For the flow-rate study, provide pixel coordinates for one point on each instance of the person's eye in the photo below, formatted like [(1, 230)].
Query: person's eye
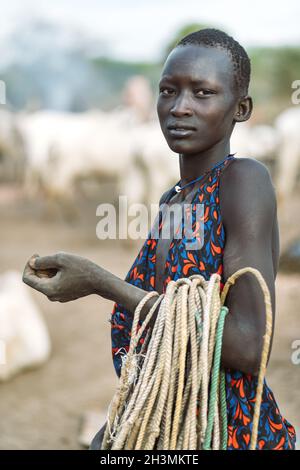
[(204, 92), (166, 91)]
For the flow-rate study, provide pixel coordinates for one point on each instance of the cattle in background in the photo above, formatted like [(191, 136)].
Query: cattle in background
[(12, 156), (24, 338)]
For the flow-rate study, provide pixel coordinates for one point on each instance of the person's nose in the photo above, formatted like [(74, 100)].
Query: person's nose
[(182, 106)]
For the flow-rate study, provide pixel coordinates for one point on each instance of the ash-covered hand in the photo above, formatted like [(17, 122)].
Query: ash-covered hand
[(62, 277)]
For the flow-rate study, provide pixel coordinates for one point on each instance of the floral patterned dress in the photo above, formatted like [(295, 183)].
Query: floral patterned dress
[(274, 431)]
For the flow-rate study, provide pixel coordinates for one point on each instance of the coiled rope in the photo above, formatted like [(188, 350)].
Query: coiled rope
[(172, 395)]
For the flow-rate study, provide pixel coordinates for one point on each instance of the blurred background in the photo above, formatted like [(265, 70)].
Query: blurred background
[(78, 127)]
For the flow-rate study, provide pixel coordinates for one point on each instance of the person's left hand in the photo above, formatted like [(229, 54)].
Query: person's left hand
[(61, 277)]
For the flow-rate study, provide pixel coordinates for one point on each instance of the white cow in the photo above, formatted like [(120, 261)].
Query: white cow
[(40, 130), (259, 141), (64, 146), (24, 339), (12, 158)]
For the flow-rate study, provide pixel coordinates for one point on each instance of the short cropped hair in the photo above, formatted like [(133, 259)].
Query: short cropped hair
[(211, 37)]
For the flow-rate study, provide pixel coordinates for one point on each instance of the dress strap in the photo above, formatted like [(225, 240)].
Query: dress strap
[(169, 194)]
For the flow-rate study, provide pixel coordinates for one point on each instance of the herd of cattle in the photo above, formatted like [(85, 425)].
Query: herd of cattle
[(51, 151)]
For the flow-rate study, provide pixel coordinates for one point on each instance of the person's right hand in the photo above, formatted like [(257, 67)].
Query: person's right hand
[(61, 277)]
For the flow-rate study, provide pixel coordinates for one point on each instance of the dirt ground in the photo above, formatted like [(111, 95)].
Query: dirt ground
[(42, 408)]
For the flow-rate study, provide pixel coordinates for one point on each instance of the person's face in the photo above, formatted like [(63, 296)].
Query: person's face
[(197, 90)]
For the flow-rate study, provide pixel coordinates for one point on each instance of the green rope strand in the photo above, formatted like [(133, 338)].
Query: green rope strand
[(215, 380), (223, 404)]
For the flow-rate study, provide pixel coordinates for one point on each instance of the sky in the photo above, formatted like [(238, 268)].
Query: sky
[(138, 30)]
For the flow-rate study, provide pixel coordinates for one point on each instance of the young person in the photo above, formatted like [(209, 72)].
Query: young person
[(203, 93)]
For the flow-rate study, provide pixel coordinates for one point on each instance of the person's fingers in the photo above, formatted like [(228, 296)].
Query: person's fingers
[(44, 262), (28, 269), (42, 283), (32, 258), (37, 283), (50, 272)]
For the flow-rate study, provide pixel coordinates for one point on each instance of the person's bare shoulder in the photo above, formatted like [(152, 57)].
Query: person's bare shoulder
[(247, 194), (248, 210)]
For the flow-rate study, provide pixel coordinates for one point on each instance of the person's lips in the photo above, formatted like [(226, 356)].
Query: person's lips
[(180, 130)]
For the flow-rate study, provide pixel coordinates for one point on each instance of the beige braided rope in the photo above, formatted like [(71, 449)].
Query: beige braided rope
[(181, 311), (119, 398), (193, 373), (164, 366), (166, 428), (132, 411), (162, 387)]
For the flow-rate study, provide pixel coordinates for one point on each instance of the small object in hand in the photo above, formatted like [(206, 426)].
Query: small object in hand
[(50, 272)]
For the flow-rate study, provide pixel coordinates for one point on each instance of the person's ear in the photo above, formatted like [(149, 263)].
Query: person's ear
[(244, 109)]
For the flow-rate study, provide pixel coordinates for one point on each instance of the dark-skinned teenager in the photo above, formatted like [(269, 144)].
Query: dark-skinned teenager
[(203, 94)]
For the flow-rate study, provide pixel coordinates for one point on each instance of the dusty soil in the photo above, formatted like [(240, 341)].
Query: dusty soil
[(42, 408)]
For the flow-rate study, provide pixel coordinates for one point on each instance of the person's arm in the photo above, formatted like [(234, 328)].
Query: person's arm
[(63, 277), (248, 209)]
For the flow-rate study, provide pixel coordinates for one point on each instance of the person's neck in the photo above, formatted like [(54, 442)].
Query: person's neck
[(193, 166)]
